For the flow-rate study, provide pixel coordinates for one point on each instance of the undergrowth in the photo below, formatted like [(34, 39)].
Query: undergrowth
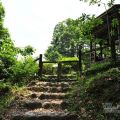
[(90, 94), (8, 96)]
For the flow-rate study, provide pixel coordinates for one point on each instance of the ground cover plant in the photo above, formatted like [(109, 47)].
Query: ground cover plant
[(91, 93)]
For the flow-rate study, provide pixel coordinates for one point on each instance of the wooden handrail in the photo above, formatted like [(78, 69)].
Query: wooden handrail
[(60, 61), (59, 65)]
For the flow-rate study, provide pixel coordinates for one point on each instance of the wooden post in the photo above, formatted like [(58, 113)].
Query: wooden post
[(101, 50), (118, 30), (80, 59), (95, 52), (113, 51), (40, 66), (119, 36), (59, 70), (91, 51)]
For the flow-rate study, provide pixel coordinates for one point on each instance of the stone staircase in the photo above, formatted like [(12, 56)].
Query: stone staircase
[(45, 101)]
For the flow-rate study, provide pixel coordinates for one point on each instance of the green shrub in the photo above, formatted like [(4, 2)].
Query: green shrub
[(66, 69), (5, 102), (48, 68), (4, 88), (3, 71), (68, 59), (69, 67), (100, 67), (23, 70)]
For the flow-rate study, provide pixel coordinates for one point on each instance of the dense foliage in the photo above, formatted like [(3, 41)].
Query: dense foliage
[(90, 94), (68, 35), (11, 66), (99, 84), (7, 48), (17, 66), (23, 70)]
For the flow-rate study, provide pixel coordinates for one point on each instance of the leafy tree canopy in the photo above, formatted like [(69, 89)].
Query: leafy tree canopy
[(99, 2), (26, 51), (69, 34), (7, 49)]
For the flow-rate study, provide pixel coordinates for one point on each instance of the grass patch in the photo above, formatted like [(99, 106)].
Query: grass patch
[(101, 67), (5, 101), (9, 96)]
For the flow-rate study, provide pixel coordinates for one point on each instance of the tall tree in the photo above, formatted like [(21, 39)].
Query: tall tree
[(69, 34), (63, 43)]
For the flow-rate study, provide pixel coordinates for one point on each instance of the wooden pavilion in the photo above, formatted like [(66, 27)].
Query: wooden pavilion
[(110, 36)]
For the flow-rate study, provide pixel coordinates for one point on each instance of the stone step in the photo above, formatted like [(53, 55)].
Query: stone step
[(32, 83), (31, 104), (50, 83), (46, 95), (48, 89), (43, 101), (54, 84), (54, 104), (43, 114), (52, 78), (52, 96), (47, 104)]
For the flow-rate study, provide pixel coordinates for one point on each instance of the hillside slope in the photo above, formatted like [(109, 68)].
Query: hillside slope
[(97, 97)]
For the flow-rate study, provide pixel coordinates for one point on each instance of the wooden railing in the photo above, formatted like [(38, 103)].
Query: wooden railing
[(81, 57), (59, 65)]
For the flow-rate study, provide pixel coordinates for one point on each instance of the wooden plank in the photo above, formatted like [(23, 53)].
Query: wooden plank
[(95, 52), (80, 60), (91, 51), (113, 50), (59, 71), (60, 61), (40, 66), (50, 62)]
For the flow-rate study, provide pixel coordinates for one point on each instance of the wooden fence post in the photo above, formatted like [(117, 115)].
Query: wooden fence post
[(40, 66), (80, 59), (101, 50), (59, 70), (94, 52), (113, 50), (91, 52)]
